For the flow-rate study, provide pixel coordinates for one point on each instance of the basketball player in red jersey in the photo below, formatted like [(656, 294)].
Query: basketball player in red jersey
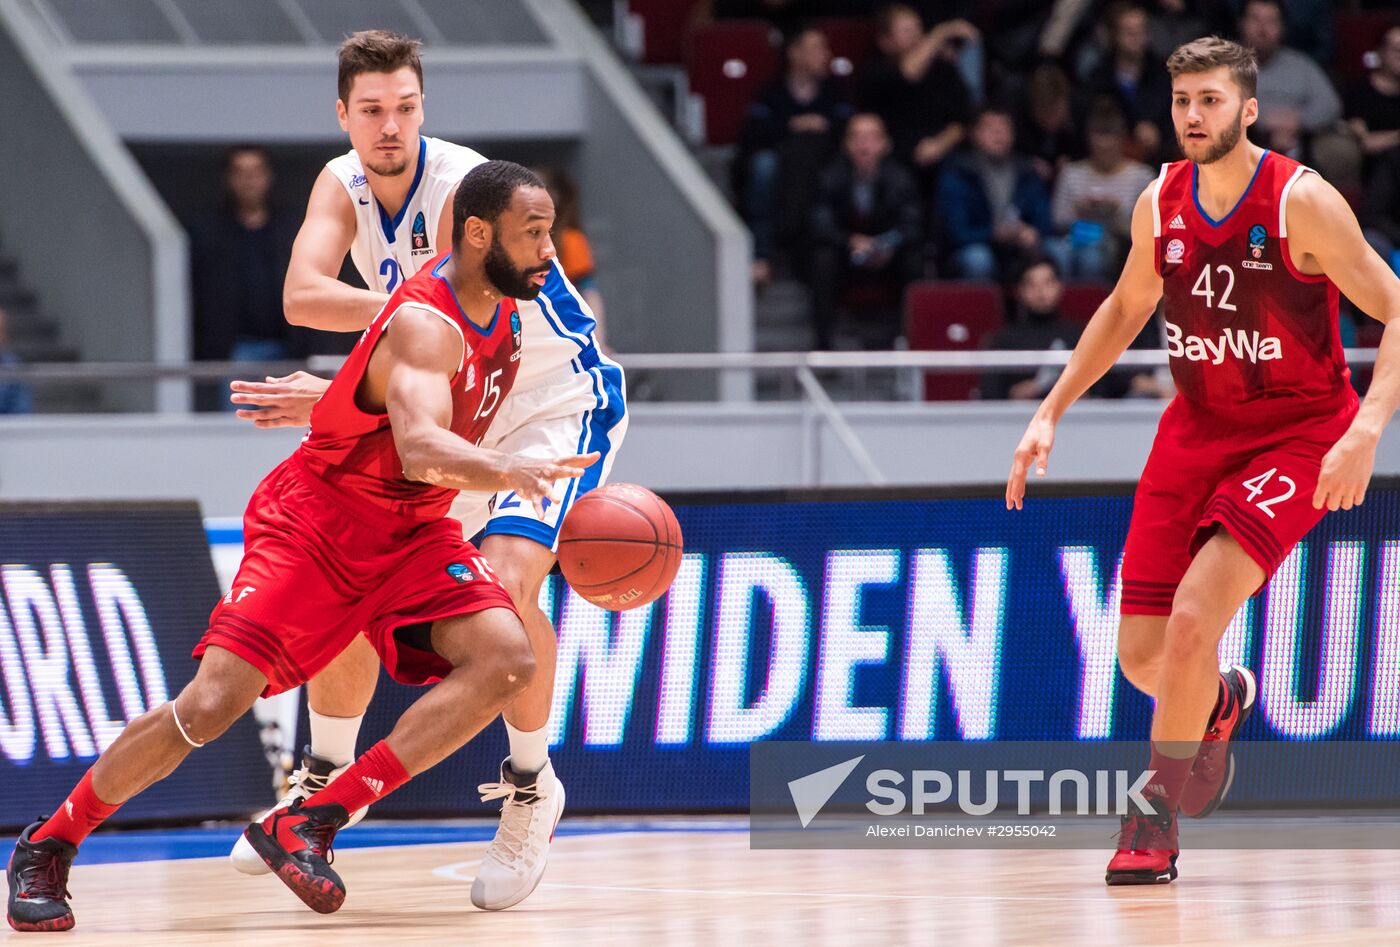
[(1248, 249), (350, 533)]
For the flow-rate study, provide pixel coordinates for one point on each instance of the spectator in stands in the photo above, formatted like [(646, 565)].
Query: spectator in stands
[(1093, 200), (15, 396), (1036, 326), (575, 252), (1136, 79), (1175, 22), (1298, 108), (916, 88), (1373, 106), (1381, 211), (1047, 133), (992, 205), (866, 234), (238, 259), (1311, 25), (789, 134)]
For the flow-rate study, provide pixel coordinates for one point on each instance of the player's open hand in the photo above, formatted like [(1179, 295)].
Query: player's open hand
[(1034, 449), (280, 402), (534, 479), (1346, 470)]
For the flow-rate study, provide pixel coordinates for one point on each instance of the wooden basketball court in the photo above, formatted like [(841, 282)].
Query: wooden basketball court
[(697, 882)]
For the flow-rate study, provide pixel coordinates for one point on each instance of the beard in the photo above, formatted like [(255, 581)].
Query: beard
[(508, 279), (1226, 144), (387, 169)]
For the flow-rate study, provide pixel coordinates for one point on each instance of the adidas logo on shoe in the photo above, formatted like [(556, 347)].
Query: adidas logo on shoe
[(376, 784), (1177, 223)]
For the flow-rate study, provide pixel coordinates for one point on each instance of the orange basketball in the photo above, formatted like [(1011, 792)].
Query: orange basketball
[(620, 546)]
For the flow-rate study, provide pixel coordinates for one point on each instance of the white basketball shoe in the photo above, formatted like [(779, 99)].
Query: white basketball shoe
[(316, 773), (514, 863)]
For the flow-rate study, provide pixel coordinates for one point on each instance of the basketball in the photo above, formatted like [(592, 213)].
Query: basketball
[(620, 546)]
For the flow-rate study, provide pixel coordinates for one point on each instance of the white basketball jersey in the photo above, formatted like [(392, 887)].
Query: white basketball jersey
[(388, 250), (557, 346)]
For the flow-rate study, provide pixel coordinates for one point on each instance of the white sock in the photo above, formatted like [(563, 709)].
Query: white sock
[(333, 738), (529, 749)]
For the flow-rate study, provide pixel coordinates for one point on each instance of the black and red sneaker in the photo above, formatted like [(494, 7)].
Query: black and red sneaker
[(38, 875), (1214, 769), (296, 844), (1146, 851)]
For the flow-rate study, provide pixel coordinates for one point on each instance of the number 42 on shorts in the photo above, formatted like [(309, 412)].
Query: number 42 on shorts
[(1257, 485)]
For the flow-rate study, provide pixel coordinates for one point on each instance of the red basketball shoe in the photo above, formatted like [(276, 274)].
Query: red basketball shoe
[(296, 844), (1146, 851), (1214, 769)]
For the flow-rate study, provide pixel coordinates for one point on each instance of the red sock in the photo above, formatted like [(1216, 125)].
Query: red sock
[(1170, 779), (77, 817), (370, 778)]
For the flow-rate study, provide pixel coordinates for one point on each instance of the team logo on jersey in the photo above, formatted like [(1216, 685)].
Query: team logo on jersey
[(1175, 251), (359, 180), (515, 329), (420, 235), (461, 573), (1256, 240), (471, 377)]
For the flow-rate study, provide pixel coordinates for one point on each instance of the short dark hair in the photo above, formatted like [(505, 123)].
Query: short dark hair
[(1028, 263), (1276, 4), (1212, 52), (1106, 119), (884, 18), (246, 149), (486, 192), (375, 51), (1003, 109)]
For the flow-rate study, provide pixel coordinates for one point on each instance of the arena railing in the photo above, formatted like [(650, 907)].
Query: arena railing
[(807, 369)]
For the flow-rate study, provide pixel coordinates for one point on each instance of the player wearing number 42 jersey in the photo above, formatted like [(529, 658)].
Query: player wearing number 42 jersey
[(1247, 250), (387, 201)]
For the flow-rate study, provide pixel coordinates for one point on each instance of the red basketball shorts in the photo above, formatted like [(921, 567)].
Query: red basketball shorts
[(320, 566), (1256, 483)]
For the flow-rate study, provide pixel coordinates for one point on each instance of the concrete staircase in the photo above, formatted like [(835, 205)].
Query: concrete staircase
[(37, 338)]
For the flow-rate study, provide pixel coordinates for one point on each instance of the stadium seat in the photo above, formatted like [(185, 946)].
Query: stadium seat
[(951, 316), (1081, 299), (852, 41), (1358, 33), (663, 28), (728, 63)]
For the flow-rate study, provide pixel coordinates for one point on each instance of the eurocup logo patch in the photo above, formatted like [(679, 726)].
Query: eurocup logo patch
[(420, 234), (1257, 234), (1175, 251), (515, 329), (461, 573)]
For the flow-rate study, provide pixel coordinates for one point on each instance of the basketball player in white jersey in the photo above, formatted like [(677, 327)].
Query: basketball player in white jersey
[(388, 203)]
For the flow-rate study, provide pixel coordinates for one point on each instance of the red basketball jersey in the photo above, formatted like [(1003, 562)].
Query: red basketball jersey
[(1249, 337), (354, 450)]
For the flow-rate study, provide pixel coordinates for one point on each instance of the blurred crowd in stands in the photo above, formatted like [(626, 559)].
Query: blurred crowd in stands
[(1007, 141)]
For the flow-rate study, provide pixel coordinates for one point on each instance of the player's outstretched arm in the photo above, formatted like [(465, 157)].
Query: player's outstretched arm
[(411, 374), (313, 294), (1117, 322), (1322, 226)]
